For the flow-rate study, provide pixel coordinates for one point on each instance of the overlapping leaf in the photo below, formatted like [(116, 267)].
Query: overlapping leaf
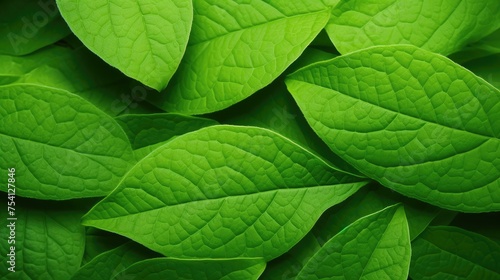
[(144, 39), (441, 26), (460, 254), (374, 247), (413, 120), (237, 48), (223, 192), (61, 146)]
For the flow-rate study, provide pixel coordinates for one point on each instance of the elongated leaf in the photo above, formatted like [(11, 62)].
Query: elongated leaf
[(442, 26), (112, 262), (171, 268), (374, 247), (236, 49), (61, 146), (150, 129), (368, 200), (460, 254), (223, 192), (144, 39), (412, 120), (29, 25), (78, 71), (49, 240)]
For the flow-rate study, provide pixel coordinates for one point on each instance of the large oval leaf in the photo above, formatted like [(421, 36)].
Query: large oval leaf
[(144, 39), (223, 192), (411, 119), (461, 254), (442, 26), (61, 145), (374, 247), (236, 49)]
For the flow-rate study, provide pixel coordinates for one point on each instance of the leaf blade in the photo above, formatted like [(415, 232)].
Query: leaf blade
[(409, 112)]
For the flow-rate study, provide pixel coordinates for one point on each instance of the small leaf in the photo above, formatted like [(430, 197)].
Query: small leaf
[(49, 240), (236, 49), (61, 146), (223, 192), (27, 26), (460, 254), (144, 39), (171, 268), (374, 247), (444, 26), (412, 120)]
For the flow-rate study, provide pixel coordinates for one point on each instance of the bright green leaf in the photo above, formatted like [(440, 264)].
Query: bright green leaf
[(61, 146), (223, 192), (49, 240), (236, 49), (78, 71), (181, 269), (109, 264), (144, 39), (29, 25), (454, 253), (412, 120), (442, 26), (367, 200), (374, 247)]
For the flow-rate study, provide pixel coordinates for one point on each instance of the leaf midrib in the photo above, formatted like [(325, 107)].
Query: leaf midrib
[(257, 25), (396, 112)]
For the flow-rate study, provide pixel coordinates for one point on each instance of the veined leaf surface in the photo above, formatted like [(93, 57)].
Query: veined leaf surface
[(144, 39), (441, 26), (238, 47), (374, 247), (61, 145), (223, 192), (461, 254), (412, 120)]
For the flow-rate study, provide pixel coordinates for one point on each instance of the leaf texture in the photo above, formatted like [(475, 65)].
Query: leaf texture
[(441, 26), (455, 254), (238, 47), (61, 146), (223, 192), (144, 39), (412, 120), (374, 247)]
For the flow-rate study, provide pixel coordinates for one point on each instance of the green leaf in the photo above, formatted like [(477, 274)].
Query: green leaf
[(374, 247), (489, 45), (236, 49), (49, 240), (78, 71), (367, 200), (181, 269), (460, 254), (112, 262), (223, 192), (272, 107), (412, 120), (61, 146), (144, 39), (28, 25), (151, 129), (443, 26)]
